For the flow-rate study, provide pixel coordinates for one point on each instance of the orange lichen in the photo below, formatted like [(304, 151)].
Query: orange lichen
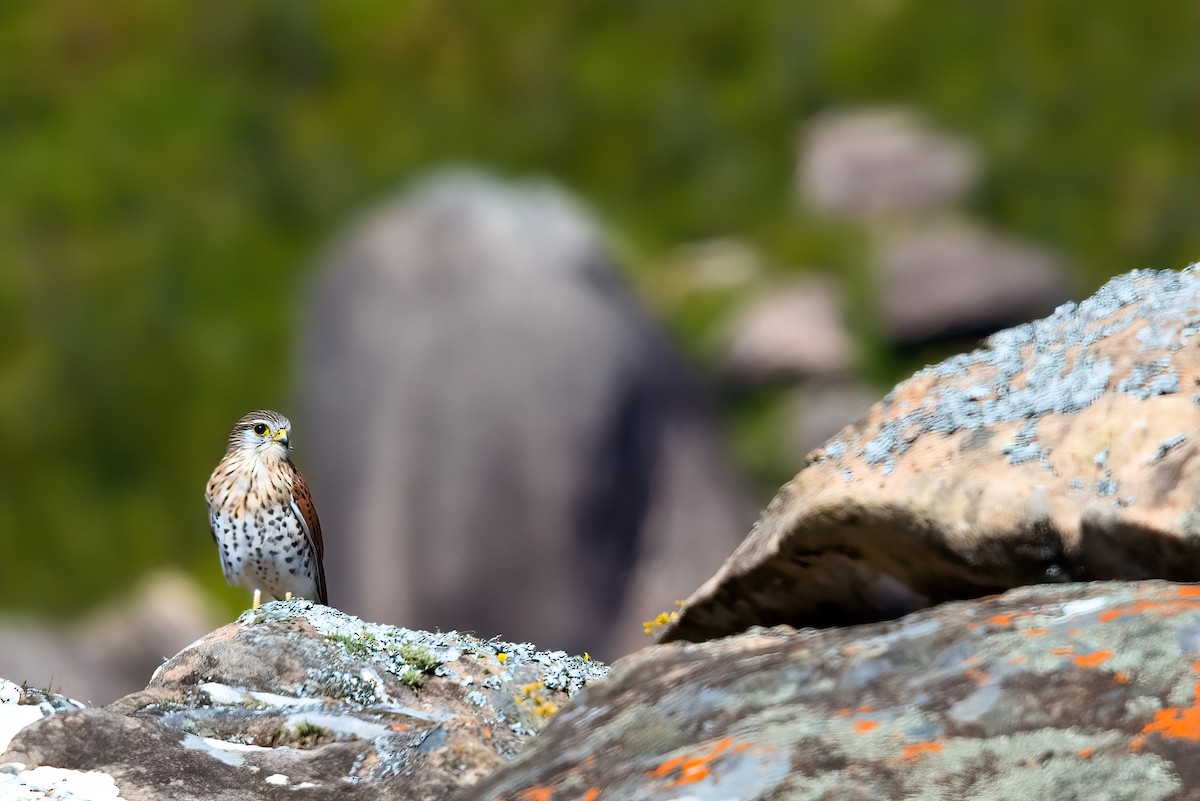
[(916, 750), (1000, 620), (1093, 659), (864, 726), (866, 708), (1159, 608), (1066, 650), (536, 794), (1190, 591), (1196, 666), (398, 727), (1085, 753), (844, 712), (976, 675), (1040, 631), (1173, 723), (592, 794), (691, 769), (1121, 677), (668, 765)]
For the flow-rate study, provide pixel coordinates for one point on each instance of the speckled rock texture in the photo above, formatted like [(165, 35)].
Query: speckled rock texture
[(303, 702), (1074, 692), (1064, 449)]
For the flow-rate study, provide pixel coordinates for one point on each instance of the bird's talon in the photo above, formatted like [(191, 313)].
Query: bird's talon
[(287, 596), (257, 599)]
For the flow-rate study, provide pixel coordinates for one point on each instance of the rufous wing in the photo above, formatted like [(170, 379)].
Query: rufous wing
[(308, 511)]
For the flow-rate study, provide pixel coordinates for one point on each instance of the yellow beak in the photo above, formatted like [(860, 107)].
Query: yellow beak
[(281, 436)]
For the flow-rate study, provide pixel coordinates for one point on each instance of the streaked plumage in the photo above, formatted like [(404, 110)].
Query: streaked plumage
[(262, 515)]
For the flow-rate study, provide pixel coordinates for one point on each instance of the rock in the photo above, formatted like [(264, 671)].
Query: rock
[(110, 652), (943, 281), (1060, 693), (793, 332), (21, 705), (1064, 449), (301, 701), (866, 162), (498, 436)]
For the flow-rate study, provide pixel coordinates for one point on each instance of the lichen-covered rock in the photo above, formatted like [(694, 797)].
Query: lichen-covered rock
[(1058, 693), (1064, 449), (302, 702)]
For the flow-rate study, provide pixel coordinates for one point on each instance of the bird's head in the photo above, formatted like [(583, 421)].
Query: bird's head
[(261, 432)]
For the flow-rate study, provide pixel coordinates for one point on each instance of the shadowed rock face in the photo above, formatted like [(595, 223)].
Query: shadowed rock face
[(300, 701), (1052, 692), (1064, 449), (499, 438)]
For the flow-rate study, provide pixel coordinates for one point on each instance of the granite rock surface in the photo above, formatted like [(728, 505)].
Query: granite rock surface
[(1062, 450), (1072, 692), (303, 702)]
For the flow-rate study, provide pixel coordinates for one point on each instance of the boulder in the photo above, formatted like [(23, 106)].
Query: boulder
[(1064, 449), (953, 280), (499, 438), (303, 702), (1061, 693), (871, 161), (792, 332)]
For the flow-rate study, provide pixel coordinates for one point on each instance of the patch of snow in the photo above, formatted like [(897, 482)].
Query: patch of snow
[(13, 718), (221, 693), (277, 778), (1083, 606), (222, 750), (60, 784), (340, 724)]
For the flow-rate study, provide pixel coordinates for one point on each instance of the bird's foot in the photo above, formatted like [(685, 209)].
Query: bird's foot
[(257, 599), (287, 596)]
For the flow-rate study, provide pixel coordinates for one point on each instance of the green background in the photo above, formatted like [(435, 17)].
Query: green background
[(169, 173)]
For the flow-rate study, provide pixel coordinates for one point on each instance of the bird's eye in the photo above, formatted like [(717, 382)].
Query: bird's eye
[(260, 429)]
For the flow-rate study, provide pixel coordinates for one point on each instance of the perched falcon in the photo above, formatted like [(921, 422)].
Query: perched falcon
[(262, 515)]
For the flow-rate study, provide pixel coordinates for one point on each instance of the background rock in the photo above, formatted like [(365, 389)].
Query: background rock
[(942, 281), (499, 438), (796, 331), (1064, 449), (820, 409), (864, 162), (111, 651), (1068, 693), (301, 701)]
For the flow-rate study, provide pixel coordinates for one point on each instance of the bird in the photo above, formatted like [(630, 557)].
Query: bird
[(262, 515)]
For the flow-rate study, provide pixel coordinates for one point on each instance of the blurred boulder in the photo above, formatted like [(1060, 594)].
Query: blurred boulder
[(866, 162), (110, 652), (792, 332), (500, 439), (944, 281), (1065, 449), (820, 409)]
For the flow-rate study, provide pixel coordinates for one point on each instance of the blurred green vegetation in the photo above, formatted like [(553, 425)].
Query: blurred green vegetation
[(168, 173)]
